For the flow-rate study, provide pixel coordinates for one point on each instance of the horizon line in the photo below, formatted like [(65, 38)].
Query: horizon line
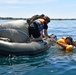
[(27, 18)]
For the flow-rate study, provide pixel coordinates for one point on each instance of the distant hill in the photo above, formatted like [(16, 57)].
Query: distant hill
[(11, 18)]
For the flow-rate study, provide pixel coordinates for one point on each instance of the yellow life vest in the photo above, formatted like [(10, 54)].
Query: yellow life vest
[(62, 40), (68, 47)]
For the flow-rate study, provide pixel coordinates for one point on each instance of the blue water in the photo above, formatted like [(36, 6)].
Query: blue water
[(50, 62)]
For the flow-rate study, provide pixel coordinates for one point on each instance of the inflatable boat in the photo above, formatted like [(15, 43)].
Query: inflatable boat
[(17, 31), (7, 48)]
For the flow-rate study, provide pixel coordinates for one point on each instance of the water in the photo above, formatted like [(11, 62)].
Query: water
[(50, 62)]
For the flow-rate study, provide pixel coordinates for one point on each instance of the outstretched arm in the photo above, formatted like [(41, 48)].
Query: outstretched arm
[(60, 44), (46, 33)]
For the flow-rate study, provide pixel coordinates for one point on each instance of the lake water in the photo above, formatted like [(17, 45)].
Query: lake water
[(50, 62)]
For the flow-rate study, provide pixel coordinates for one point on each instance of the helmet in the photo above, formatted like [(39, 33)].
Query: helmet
[(47, 19)]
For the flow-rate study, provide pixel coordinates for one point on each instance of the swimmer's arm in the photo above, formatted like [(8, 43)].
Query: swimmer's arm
[(60, 44)]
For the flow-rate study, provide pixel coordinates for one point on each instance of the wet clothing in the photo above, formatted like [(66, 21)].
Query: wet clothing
[(67, 48), (37, 26), (62, 40)]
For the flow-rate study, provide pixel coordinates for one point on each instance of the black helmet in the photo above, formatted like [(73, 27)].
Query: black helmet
[(46, 18)]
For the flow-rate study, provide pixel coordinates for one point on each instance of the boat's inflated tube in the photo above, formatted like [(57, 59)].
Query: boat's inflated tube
[(7, 48), (17, 30)]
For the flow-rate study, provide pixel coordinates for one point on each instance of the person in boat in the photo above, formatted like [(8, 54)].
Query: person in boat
[(38, 27), (35, 17), (66, 43)]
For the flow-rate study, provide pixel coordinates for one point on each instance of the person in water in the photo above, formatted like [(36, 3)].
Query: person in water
[(66, 43), (38, 26)]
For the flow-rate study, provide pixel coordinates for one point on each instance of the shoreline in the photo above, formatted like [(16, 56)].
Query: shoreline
[(11, 18)]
